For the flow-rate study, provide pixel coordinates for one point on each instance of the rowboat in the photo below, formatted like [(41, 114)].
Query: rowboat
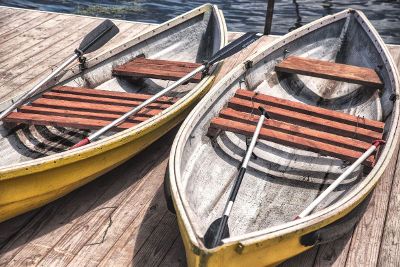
[(330, 90), (37, 166)]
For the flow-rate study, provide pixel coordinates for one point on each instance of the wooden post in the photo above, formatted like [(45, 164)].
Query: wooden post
[(268, 17)]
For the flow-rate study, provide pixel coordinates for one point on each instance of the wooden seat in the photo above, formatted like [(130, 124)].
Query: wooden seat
[(141, 67), (330, 70), (299, 125), (85, 108)]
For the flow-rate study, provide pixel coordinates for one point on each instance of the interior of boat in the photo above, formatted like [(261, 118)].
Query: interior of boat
[(335, 66), (110, 85)]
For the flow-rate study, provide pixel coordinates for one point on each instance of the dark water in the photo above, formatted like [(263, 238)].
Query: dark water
[(241, 15)]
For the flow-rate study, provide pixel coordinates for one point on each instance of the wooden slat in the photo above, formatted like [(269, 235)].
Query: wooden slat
[(62, 121), (111, 94), (143, 60), (158, 69), (95, 99), (330, 70), (85, 114), (297, 130), (307, 120), (290, 140), (311, 110), (75, 105)]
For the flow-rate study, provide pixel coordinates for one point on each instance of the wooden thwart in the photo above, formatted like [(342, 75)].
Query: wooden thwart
[(330, 70), (159, 69), (85, 108), (299, 125)]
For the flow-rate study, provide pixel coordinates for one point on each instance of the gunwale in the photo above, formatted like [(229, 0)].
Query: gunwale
[(320, 218), (128, 135)]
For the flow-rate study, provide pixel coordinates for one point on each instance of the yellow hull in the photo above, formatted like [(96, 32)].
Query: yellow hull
[(266, 252), (27, 188), (275, 244)]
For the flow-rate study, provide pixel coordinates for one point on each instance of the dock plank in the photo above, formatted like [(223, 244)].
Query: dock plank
[(26, 27), (19, 56), (389, 251), (135, 211)]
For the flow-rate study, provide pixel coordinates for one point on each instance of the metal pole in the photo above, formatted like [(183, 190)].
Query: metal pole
[(268, 17)]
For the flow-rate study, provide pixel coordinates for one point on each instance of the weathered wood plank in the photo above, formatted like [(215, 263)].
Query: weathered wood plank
[(85, 114), (103, 100), (19, 21), (305, 259), (111, 94), (367, 236), (330, 70), (137, 217), (14, 32), (160, 69), (62, 121), (79, 105), (175, 257), (158, 243), (389, 251), (334, 253)]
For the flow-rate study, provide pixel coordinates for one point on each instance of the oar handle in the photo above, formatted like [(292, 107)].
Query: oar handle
[(83, 142), (343, 176)]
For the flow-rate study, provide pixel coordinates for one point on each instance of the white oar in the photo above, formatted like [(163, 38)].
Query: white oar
[(343, 176), (225, 52), (221, 222), (92, 41)]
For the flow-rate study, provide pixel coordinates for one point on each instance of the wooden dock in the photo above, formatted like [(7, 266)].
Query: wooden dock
[(121, 218)]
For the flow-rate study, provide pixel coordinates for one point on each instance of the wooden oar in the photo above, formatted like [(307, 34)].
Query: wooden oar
[(225, 52), (92, 41), (343, 176), (222, 222)]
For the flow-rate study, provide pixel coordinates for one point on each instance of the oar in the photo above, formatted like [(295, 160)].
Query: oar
[(211, 240), (92, 41), (343, 176), (225, 52)]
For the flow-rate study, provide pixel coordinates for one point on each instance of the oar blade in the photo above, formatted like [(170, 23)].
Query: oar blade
[(233, 47), (99, 36), (212, 231)]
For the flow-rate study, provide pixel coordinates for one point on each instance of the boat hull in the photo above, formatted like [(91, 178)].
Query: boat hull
[(273, 245), (32, 184)]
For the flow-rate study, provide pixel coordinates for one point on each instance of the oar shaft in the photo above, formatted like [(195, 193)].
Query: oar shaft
[(135, 110), (37, 87), (336, 183), (238, 182)]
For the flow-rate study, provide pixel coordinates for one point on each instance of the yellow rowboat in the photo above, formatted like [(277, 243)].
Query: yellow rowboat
[(36, 166), (330, 89)]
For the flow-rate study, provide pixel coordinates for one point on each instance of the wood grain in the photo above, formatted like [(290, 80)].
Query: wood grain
[(330, 70), (311, 110), (290, 140), (309, 121), (305, 132), (158, 69)]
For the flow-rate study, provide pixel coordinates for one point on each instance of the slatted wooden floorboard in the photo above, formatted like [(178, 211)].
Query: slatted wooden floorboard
[(299, 125), (71, 229), (85, 108)]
